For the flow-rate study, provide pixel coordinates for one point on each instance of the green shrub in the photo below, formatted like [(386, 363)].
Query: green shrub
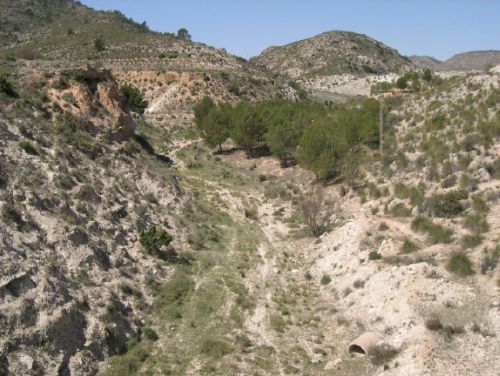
[(464, 161), (402, 82), (447, 204), (434, 105), (433, 323), (251, 213), (479, 205), (69, 97), (10, 214), (216, 348), (383, 227), (73, 132), (490, 259), (149, 334), (173, 295), (374, 191), (129, 363), (460, 264), (415, 194), (471, 240), (28, 147), (326, 279), (437, 122), (78, 75), (439, 234), (155, 241), (449, 181), (494, 169), (467, 182), (409, 246), (277, 323), (477, 223), (233, 89), (400, 210), (374, 255), (381, 87), (6, 86), (435, 232), (99, 44), (134, 98)]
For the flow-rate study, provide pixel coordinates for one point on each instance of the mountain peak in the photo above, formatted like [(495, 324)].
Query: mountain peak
[(333, 52)]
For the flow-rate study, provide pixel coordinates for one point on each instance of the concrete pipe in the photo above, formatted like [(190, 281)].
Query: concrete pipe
[(365, 343)]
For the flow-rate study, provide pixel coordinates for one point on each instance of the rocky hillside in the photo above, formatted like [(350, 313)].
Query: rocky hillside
[(473, 60), (409, 251), (24, 19), (129, 247), (209, 265), (79, 183), (425, 62), (65, 34), (333, 53), (467, 61)]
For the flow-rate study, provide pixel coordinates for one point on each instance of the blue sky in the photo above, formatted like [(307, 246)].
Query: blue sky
[(439, 28)]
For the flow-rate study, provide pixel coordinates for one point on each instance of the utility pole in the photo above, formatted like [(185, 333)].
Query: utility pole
[(381, 126)]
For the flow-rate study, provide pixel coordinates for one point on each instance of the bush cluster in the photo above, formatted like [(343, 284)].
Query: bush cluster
[(99, 44), (74, 131), (134, 98), (318, 136), (6, 86), (173, 295), (436, 233), (446, 205), (460, 264), (28, 147), (409, 246), (410, 81), (155, 241)]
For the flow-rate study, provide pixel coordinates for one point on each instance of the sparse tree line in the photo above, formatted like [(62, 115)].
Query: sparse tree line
[(411, 81), (321, 137), (100, 43)]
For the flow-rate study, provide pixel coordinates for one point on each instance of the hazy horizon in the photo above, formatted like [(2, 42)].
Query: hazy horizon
[(438, 29)]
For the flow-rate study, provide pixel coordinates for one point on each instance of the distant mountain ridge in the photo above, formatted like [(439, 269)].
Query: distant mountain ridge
[(425, 62), (466, 61), (473, 60), (333, 53)]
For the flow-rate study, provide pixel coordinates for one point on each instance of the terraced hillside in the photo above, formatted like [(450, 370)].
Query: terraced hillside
[(24, 19), (65, 34)]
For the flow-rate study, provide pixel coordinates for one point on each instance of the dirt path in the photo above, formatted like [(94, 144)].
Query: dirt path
[(291, 323)]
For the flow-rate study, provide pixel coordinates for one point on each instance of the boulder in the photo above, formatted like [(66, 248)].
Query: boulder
[(483, 175), (123, 125), (395, 203)]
